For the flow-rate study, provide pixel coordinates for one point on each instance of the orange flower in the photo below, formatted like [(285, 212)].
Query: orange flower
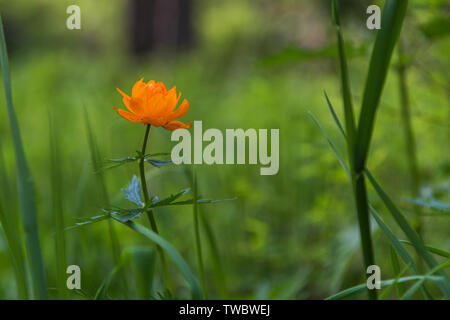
[(151, 103)]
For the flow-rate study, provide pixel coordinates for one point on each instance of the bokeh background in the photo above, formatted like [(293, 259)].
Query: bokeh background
[(240, 64)]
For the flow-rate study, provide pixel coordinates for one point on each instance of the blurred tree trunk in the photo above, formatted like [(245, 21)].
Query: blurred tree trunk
[(160, 24)]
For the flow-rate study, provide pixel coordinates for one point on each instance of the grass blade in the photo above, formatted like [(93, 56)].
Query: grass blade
[(14, 245), (395, 242), (391, 23), (398, 275), (24, 181), (408, 294), (332, 145), (345, 82), (173, 254), (410, 233), (357, 179), (434, 250), (363, 287)]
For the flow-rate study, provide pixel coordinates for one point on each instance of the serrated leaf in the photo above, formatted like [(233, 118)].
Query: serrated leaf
[(200, 201), (158, 163), (158, 203), (125, 217), (133, 192)]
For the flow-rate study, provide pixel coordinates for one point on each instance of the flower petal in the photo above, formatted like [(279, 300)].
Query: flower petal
[(131, 104), (129, 116), (173, 125), (138, 90), (180, 111)]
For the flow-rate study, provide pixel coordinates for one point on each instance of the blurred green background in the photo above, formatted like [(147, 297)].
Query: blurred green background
[(240, 64)]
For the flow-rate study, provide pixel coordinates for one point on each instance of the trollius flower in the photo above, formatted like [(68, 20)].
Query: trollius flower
[(151, 103)]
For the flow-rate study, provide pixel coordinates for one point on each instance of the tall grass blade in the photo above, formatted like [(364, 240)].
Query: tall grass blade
[(14, 245), (24, 181), (345, 81), (173, 254), (143, 262), (411, 234), (391, 23), (395, 242), (396, 268)]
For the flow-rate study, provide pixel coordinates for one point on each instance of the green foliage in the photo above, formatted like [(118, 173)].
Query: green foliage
[(296, 226), (25, 187)]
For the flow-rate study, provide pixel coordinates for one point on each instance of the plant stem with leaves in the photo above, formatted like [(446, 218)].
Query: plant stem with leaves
[(150, 216), (357, 177)]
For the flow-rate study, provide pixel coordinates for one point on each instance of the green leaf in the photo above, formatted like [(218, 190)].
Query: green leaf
[(386, 230), (398, 275), (133, 192), (363, 287), (200, 201), (345, 82), (26, 192), (126, 217), (88, 221), (391, 24), (410, 233), (332, 145), (173, 254), (166, 201), (14, 245), (158, 163), (437, 251), (408, 294), (114, 163)]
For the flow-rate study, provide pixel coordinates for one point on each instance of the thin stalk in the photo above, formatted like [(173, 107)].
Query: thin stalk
[(358, 181), (362, 208), (410, 143), (198, 243), (150, 216)]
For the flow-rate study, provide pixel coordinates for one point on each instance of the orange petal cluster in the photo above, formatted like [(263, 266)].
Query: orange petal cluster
[(151, 103)]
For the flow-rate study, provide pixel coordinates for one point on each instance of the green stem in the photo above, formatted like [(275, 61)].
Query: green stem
[(197, 235), (150, 216), (358, 181), (362, 208)]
